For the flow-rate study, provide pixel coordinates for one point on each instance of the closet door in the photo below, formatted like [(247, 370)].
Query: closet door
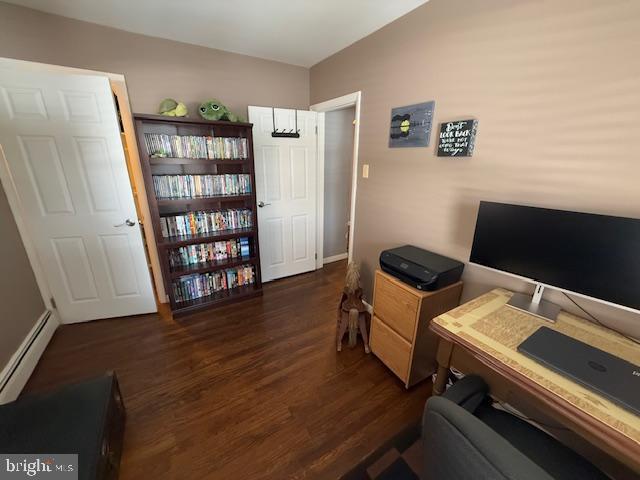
[(62, 145), (286, 179)]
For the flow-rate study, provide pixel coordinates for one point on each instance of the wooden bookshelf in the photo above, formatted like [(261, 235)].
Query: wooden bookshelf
[(164, 207)]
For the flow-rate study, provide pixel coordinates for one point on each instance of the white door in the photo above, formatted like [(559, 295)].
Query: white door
[(286, 187), (65, 158)]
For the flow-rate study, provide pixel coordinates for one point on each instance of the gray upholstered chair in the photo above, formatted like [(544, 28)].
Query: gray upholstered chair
[(466, 438)]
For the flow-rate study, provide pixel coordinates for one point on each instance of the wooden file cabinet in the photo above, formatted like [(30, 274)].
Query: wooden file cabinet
[(400, 334)]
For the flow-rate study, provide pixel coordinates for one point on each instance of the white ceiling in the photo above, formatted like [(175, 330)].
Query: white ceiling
[(300, 32)]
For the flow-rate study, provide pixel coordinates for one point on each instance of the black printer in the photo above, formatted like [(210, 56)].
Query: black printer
[(420, 268)]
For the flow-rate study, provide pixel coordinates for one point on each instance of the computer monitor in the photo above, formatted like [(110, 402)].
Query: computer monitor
[(593, 256)]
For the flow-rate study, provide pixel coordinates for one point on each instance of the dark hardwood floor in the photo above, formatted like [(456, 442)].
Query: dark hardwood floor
[(255, 390)]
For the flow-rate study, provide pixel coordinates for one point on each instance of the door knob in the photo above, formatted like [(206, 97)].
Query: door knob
[(262, 204), (127, 222)]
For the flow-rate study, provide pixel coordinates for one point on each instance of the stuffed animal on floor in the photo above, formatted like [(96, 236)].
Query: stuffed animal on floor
[(171, 108), (214, 110)]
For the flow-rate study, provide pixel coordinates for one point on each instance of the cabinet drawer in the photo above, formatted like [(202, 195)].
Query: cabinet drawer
[(391, 348), (397, 307)]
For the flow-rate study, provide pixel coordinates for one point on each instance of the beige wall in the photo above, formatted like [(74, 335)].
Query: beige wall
[(555, 86), (338, 159), (154, 68), (20, 300)]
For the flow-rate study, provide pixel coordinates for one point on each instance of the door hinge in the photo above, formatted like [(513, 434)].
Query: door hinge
[(316, 256), (316, 129), (53, 303)]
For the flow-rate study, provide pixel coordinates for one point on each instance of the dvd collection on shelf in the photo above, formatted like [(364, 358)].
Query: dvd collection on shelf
[(194, 186), (209, 252), (191, 287), (193, 146), (194, 223), (199, 176)]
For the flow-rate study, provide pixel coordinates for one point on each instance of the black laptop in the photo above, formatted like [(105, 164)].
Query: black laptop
[(610, 376)]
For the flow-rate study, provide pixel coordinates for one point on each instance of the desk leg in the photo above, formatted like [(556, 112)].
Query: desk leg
[(443, 357)]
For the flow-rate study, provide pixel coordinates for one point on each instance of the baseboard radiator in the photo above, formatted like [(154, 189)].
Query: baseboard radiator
[(18, 359)]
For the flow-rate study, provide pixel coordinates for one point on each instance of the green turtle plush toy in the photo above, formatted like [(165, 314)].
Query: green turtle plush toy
[(171, 108), (214, 110)]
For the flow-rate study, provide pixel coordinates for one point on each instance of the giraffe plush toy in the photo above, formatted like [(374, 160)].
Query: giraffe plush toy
[(352, 313)]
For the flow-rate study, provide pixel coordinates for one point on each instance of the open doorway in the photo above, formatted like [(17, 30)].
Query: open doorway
[(338, 139), (338, 156)]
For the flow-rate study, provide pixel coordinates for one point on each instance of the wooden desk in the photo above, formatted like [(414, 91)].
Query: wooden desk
[(481, 337)]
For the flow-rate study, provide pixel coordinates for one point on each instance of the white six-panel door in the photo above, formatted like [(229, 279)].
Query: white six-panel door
[(61, 141), (286, 186)]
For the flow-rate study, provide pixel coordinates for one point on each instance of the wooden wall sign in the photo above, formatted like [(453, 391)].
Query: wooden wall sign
[(457, 139), (411, 125)]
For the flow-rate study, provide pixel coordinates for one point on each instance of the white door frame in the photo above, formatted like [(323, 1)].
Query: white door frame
[(345, 101), (119, 87)]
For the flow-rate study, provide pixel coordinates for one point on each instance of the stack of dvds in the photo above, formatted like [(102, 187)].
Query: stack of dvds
[(194, 223), (192, 146), (193, 186), (195, 286), (208, 252)]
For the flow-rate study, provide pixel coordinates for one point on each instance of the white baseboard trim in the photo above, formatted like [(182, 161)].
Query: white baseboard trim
[(369, 307), (16, 373), (335, 258)]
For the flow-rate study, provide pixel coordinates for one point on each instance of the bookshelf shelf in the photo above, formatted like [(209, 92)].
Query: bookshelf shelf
[(154, 128), (150, 118), (197, 161), (211, 266), (184, 240), (217, 299), (202, 202)]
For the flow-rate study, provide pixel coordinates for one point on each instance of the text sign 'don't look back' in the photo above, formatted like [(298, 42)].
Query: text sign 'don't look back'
[(457, 139)]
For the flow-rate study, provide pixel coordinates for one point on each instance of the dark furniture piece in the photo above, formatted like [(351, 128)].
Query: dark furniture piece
[(466, 438), (160, 124), (86, 419)]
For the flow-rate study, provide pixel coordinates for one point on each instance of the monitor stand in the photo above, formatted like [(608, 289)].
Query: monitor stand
[(535, 305)]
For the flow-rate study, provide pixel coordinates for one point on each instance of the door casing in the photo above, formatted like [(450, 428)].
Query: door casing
[(350, 100)]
